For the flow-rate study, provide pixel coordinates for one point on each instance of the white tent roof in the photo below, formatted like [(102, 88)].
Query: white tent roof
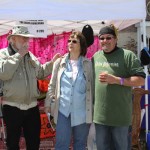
[(66, 15), (72, 9), (59, 26)]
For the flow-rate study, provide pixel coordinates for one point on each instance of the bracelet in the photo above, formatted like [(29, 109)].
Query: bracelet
[(121, 81)]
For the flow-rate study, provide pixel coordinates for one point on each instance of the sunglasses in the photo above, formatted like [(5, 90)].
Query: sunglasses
[(107, 38), (73, 41)]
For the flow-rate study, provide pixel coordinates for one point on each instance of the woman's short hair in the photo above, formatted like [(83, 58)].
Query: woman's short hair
[(83, 44)]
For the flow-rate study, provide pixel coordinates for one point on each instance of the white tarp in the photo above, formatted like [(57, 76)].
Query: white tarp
[(67, 15), (72, 9), (59, 26)]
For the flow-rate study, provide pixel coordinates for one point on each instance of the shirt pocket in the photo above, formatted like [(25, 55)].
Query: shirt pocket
[(81, 84)]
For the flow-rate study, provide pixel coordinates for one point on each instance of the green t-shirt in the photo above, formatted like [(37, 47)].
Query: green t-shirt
[(113, 102)]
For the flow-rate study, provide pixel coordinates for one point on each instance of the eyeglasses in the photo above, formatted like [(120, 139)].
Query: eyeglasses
[(73, 41), (107, 38)]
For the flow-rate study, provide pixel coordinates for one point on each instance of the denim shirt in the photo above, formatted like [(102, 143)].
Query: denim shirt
[(73, 94)]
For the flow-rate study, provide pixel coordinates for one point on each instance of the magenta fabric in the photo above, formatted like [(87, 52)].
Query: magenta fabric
[(45, 48), (3, 41), (93, 48)]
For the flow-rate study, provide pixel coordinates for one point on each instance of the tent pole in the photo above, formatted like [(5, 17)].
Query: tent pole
[(146, 79)]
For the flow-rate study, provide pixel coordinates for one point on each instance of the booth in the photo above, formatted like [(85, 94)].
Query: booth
[(65, 16)]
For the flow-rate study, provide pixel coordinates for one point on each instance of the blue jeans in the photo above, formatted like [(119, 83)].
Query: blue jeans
[(110, 136), (65, 133), (130, 138)]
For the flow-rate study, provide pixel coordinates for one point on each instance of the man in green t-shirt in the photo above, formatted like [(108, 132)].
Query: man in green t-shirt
[(116, 71)]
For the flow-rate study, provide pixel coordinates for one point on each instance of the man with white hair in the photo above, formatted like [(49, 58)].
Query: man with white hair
[(19, 71)]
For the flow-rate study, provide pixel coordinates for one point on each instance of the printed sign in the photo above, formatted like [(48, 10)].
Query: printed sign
[(36, 27)]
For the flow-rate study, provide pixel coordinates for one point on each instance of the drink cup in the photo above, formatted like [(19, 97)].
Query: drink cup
[(103, 75)]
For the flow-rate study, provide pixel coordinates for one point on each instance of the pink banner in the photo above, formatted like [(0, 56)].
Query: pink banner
[(46, 48)]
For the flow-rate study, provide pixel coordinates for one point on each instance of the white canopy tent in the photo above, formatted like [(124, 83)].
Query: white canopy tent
[(65, 15), (72, 10), (59, 26)]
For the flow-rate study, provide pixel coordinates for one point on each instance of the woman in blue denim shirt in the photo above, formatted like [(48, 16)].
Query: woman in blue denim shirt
[(71, 88)]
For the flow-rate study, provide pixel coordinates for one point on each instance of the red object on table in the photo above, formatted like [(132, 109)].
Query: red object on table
[(46, 130), (43, 85)]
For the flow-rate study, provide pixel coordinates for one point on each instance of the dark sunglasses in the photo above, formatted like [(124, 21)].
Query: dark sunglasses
[(73, 41), (107, 38)]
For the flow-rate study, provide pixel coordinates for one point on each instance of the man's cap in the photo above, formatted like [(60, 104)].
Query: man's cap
[(19, 30), (109, 30)]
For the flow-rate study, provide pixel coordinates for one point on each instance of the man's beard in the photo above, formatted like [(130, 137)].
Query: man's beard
[(105, 48), (19, 46)]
